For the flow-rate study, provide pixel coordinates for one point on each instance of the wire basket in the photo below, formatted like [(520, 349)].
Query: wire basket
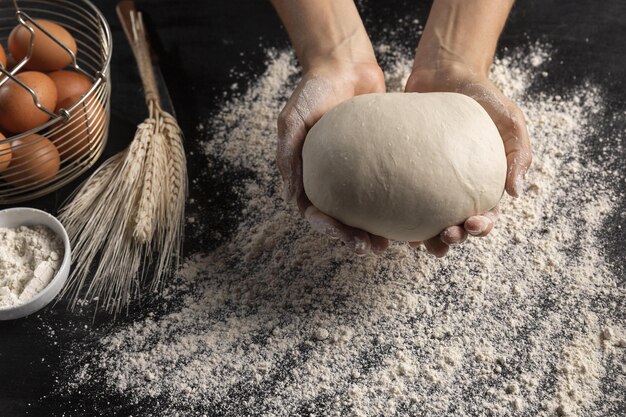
[(78, 133)]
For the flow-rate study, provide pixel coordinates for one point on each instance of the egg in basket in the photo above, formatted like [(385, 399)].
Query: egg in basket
[(54, 94)]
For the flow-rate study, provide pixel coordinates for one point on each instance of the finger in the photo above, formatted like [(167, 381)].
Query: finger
[(511, 124), (356, 239), (453, 235), (436, 247), (493, 213), (478, 226), (303, 203), (291, 135), (379, 244), (305, 107), (518, 153), (481, 225), (415, 244)]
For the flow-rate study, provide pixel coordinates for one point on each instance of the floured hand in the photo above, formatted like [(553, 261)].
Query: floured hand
[(323, 87)]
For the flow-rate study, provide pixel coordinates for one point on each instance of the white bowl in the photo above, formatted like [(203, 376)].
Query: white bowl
[(24, 216)]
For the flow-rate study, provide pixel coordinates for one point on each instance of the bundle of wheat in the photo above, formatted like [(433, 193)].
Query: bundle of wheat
[(132, 208)]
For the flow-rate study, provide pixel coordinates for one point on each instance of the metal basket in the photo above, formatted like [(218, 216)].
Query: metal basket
[(81, 129)]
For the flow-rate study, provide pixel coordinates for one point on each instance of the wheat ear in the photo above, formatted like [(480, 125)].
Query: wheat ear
[(132, 207), (152, 207), (170, 237)]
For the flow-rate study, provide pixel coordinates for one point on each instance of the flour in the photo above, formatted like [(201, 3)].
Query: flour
[(29, 259), (282, 321)]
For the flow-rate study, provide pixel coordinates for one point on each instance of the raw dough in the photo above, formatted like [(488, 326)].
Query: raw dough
[(404, 165)]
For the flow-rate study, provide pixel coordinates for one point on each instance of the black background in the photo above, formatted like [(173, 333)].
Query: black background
[(201, 42)]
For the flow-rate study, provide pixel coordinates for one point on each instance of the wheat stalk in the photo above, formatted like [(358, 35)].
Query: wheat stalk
[(151, 210), (172, 235), (132, 208)]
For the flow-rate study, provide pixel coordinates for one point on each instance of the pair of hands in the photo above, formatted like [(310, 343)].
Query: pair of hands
[(349, 68), (325, 86)]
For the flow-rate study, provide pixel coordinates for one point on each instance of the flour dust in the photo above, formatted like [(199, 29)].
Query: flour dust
[(281, 321)]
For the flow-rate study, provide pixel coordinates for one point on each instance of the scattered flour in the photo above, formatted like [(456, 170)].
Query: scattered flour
[(29, 258), (281, 321)]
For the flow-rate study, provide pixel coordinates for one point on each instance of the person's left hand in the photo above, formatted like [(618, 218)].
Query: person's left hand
[(509, 119)]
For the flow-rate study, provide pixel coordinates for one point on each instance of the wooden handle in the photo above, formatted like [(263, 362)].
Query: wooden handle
[(124, 9), (132, 23)]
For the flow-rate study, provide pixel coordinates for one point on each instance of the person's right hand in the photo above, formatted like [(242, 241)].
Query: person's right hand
[(323, 86)]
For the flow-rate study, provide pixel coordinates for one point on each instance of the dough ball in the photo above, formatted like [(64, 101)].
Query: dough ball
[(404, 165)]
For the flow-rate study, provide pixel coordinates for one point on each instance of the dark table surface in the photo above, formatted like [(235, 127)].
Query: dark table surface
[(200, 42)]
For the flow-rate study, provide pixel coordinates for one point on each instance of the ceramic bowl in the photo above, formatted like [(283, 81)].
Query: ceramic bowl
[(23, 216)]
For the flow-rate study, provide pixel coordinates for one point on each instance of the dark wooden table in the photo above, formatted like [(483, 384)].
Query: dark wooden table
[(200, 42)]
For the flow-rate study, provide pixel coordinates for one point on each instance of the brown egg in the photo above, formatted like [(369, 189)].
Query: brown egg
[(35, 161), (70, 83), (5, 153), (18, 112), (3, 56), (11, 63), (5, 61), (47, 54), (78, 136)]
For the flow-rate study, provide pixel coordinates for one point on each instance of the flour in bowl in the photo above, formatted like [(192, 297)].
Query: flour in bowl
[(30, 256)]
